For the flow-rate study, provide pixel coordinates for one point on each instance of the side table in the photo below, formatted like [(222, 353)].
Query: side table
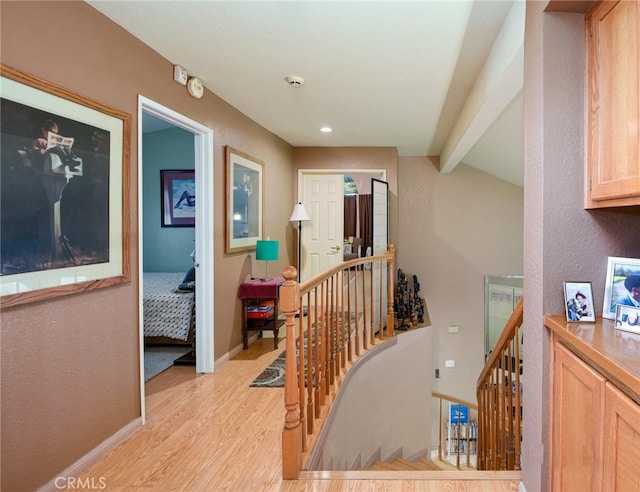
[(254, 292)]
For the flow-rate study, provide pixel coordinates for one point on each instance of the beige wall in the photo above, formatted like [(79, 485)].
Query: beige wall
[(70, 376), (562, 240), (455, 229), (340, 158)]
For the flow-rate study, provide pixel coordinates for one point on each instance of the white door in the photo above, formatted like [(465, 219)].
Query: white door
[(322, 236)]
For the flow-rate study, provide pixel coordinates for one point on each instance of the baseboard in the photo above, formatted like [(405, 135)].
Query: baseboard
[(92, 457), (233, 352)]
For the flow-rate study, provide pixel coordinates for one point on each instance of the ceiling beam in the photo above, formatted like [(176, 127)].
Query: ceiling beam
[(500, 80)]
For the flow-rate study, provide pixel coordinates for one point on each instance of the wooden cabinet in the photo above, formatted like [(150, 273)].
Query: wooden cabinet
[(577, 423), (621, 441), (612, 178), (595, 436)]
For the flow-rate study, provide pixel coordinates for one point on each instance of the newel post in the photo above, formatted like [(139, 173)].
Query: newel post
[(390, 290), (292, 433)]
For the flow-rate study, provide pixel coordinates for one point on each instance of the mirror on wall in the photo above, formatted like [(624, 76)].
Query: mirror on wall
[(501, 294)]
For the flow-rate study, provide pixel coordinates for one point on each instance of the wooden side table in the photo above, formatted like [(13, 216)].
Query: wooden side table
[(256, 291)]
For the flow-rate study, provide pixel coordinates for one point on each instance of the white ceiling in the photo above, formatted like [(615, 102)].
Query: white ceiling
[(430, 77)]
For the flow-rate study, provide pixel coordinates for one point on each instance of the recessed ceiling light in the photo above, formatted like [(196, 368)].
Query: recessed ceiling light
[(326, 129)]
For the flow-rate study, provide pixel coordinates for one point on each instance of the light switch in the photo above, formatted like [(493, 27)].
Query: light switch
[(449, 363), (453, 329)]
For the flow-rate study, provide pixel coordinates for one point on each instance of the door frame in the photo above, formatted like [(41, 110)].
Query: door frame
[(204, 263), (303, 172)]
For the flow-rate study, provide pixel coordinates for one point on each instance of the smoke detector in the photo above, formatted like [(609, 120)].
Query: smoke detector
[(294, 80)]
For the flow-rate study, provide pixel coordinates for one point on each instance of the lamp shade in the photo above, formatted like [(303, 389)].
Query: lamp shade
[(299, 213), (266, 250)]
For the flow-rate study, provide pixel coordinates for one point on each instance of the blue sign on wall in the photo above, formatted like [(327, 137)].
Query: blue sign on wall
[(458, 412)]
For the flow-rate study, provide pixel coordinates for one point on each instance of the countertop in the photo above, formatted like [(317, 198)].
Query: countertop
[(614, 353)]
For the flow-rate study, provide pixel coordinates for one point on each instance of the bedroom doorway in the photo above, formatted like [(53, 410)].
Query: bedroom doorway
[(150, 111)]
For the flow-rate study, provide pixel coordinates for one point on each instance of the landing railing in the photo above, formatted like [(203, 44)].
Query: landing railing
[(331, 319), (457, 429), (500, 400)]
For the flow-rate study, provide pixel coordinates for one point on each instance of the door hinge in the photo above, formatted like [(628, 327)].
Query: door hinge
[(590, 185)]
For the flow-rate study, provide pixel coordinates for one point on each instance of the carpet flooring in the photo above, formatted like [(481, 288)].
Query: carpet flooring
[(158, 358)]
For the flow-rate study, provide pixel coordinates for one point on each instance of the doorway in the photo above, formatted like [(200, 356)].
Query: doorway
[(322, 191), (203, 256)]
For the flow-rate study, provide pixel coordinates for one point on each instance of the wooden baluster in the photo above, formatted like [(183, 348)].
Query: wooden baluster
[(307, 343), (440, 419), (292, 432), (300, 355), (325, 343), (518, 404), (372, 306), (317, 357), (354, 310), (365, 331), (358, 325), (390, 290)]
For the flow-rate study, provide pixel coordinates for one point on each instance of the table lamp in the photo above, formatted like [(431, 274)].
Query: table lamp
[(266, 250)]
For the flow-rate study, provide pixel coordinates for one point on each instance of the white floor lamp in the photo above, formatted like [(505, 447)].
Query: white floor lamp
[(299, 215)]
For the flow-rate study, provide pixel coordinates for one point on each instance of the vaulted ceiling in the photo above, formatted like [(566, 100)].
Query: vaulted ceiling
[(430, 77)]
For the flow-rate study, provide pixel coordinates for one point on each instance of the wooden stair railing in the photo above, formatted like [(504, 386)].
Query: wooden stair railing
[(459, 434), (500, 402), (330, 320)]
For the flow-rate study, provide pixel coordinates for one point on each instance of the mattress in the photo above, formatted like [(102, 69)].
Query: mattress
[(167, 313)]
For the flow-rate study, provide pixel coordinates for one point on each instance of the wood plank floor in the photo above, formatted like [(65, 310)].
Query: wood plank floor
[(212, 432)]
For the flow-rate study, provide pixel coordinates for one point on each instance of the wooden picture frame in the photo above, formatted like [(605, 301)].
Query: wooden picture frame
[(615, 291), (244, 201), (178, 197), (578, 302), (65, 219)]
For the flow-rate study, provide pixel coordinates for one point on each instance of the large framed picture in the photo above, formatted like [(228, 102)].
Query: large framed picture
[(244, 204), (178, 198), (578, 301), (622, 285), (64, 189)]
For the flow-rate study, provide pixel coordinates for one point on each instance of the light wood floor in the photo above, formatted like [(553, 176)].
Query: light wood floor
[(212, 432)]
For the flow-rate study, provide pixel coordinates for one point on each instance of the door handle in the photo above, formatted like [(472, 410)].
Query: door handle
[(335, 248)]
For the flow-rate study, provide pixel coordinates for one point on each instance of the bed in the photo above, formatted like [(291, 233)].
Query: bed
[(169, 313)]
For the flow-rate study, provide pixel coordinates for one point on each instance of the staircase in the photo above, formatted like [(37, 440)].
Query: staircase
[(402, 464)]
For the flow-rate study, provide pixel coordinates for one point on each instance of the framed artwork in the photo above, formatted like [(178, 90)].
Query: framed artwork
[(627, 318), (578, 301), (64, 219), (622, 285), (244, 203), (178, 198)]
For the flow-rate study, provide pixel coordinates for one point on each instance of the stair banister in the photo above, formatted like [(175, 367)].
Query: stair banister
[(330, 349)]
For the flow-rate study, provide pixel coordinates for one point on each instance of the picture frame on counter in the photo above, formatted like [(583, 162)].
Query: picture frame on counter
[(622, 285), (627, 318), (578, 302)]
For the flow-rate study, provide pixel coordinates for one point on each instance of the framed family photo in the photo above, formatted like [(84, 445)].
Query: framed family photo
[(178, 198), (622, 285), (627, 318), (64, 220), (578, 301), (244, 201)]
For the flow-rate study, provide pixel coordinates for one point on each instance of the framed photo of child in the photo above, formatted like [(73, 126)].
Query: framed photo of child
[(578, 301)]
